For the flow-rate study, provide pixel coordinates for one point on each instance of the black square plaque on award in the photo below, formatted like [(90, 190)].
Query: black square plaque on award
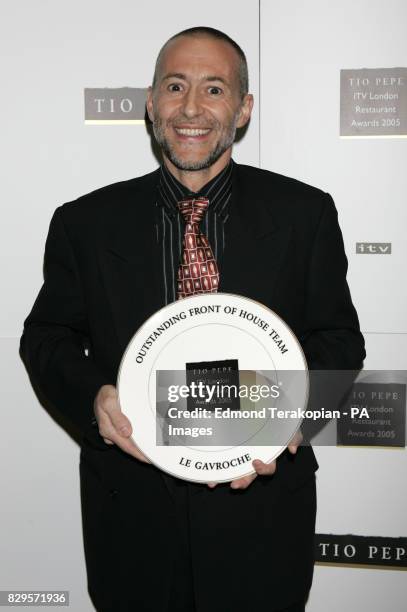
[(222, 376)]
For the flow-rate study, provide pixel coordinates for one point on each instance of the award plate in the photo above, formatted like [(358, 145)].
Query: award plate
[(203, 382)]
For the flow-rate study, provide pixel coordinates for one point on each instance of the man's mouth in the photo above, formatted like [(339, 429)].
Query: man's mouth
[(192, 132)]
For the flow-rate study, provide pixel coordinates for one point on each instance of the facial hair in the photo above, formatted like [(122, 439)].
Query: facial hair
[(220, 147)]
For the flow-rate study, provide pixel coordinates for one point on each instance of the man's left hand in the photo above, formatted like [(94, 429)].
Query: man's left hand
[(263, 469)]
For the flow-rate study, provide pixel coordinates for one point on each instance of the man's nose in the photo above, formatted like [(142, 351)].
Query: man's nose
[(192, 106)]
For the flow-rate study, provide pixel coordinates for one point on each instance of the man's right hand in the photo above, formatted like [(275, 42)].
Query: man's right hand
[(114, 426)]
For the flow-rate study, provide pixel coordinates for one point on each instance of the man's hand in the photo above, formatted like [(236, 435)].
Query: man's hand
[(264, 469), (114, 426)]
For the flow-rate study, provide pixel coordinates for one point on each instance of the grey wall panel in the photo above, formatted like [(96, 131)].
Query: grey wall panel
[(304, 45)]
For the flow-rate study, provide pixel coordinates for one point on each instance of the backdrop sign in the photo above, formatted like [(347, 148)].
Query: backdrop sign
[(373, 248), (374, 102), (122, 105), (385, 404), (359, 550)]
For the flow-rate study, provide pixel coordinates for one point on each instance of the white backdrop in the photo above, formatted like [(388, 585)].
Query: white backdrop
[(304, 45), (51, 52)]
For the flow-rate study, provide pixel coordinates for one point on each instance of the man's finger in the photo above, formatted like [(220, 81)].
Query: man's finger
[(127, 445), (130, 447), (264, 469), (295, 442), (242, 483), (119, 420)]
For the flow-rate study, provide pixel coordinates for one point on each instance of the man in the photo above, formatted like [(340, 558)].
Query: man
[(154, 542)]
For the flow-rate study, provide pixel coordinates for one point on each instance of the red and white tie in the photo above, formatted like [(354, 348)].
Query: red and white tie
[(198, 271)]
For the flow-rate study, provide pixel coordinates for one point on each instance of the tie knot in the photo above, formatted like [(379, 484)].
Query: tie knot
[(194, 209)]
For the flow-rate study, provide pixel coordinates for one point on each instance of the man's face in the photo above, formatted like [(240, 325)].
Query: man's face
[(196, 104)]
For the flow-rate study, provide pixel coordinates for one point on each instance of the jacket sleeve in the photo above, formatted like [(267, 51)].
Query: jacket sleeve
[(332, 338), (55, 334)]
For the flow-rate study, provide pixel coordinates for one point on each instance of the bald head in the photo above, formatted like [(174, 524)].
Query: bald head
[(242, 76)]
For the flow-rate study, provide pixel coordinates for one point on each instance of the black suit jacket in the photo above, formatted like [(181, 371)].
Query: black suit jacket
[(102, 281)]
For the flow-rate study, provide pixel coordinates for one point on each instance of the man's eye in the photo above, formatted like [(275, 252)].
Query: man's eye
[(174, 87), (215, 90)]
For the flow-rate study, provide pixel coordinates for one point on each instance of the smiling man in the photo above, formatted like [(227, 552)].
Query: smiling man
[(115, 256), (196, 111)]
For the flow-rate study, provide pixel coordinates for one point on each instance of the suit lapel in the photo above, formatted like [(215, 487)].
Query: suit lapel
[(129, 259), (255, 243)]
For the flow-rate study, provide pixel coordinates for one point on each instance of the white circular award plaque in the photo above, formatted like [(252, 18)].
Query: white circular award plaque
[(210, 383)]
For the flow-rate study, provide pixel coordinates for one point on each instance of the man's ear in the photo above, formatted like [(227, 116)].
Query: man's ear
[(245, 110), (149, 103)]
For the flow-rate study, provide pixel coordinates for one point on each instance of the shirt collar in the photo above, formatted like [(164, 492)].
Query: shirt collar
[(217, 190)]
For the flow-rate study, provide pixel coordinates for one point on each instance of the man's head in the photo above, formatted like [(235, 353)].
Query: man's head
[(198, 98), (202, 31)]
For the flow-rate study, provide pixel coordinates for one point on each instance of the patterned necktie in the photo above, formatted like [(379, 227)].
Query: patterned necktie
[(198, 271)]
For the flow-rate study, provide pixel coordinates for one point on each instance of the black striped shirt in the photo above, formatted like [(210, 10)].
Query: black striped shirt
[(170, 224)]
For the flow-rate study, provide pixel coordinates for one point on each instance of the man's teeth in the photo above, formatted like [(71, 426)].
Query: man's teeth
[(191, 132)]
